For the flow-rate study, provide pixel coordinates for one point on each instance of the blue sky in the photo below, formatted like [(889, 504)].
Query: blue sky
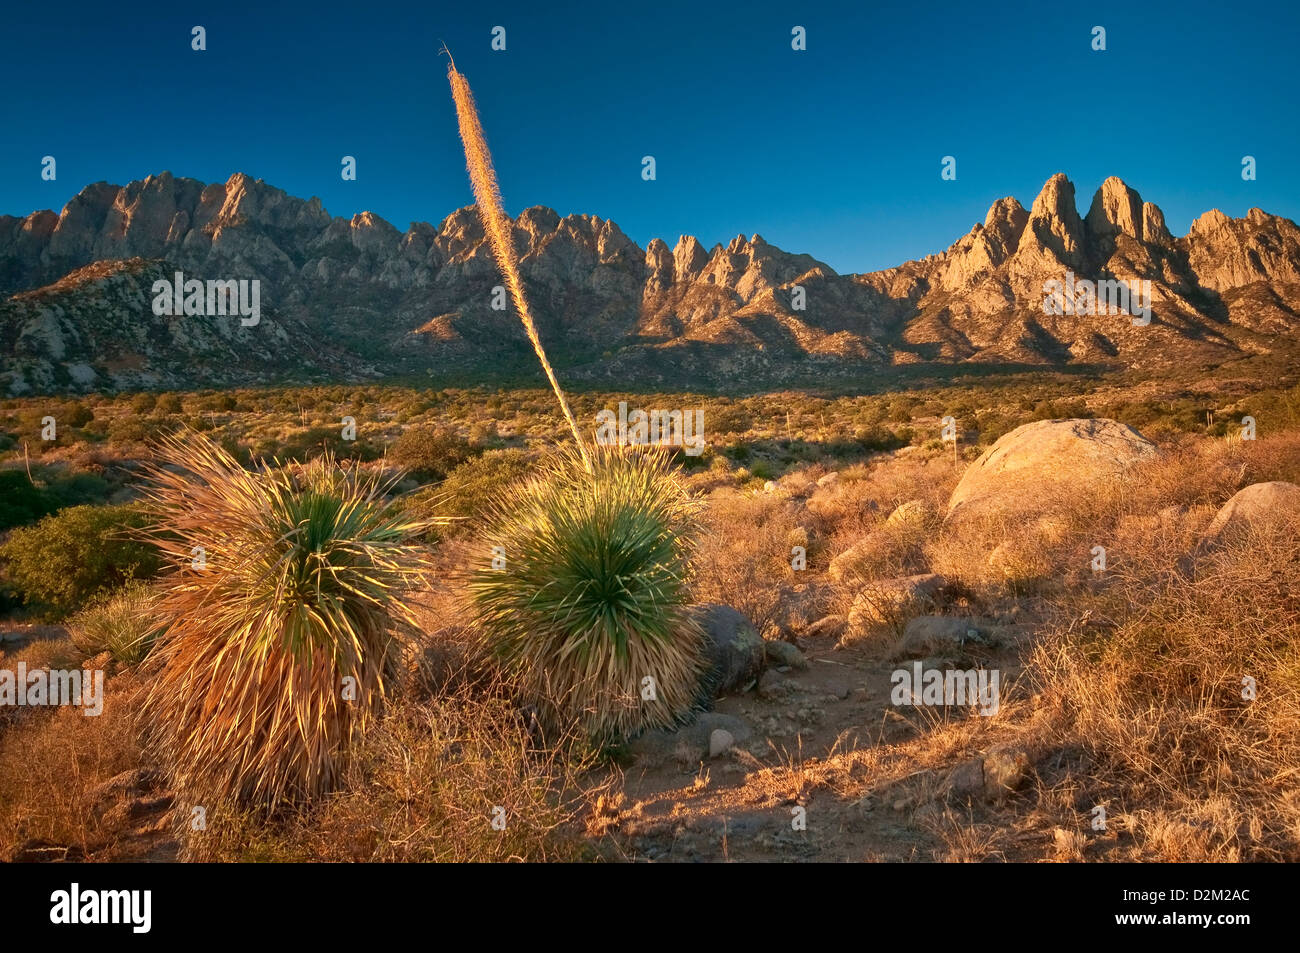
[(834, 151)]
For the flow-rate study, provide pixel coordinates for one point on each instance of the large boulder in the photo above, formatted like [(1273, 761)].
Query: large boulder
[(889, 601), (1259, 504), (1044, 461), (734, 649)]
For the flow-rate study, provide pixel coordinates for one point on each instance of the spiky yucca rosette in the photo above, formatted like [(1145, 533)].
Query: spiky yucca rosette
[(592, 598), (279, 644)]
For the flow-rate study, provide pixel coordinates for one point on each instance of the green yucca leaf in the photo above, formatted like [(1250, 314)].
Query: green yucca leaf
[(593, 596)]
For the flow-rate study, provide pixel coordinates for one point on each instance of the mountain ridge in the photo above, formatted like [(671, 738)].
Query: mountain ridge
[(358, 298)]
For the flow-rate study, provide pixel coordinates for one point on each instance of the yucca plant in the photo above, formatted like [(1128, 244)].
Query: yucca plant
[(582, 593), (286, 587), (592, 600)]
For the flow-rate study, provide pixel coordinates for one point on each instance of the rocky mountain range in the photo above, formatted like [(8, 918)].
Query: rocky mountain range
[(358, 299)]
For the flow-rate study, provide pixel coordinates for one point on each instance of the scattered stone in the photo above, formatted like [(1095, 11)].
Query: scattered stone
[(783, 653), (966, 780), (689, 744), (913, 512), (1006, 769), (887, 600), (133, 782), (900, 804), (41, 851), (735, 651), (831, 626), (720, 742), (828, 479), (936, 633), (772, 687), (129, 813)]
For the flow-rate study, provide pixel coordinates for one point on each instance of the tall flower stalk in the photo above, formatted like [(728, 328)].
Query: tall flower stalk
[(487, 194)]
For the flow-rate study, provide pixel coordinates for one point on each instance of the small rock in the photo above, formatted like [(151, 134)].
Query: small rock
[(783, 653), (936, 633), (966, 780), (720, 742), (773, 687), (1006, 769), (884, 601), (831, 626), (900, 805), (1259, 504), (914, 512), (689, 744), (828, 479)]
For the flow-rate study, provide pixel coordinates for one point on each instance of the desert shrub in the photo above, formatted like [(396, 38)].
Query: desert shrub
[(124, 623), (20, 501), (75, 414), (144, 403), (77, 553), (1134, 674), (168, 404), (76, 489), (318, 441), (592, 596), (743, 557), (727, 419), (220, 403), (51, 768), (430, 453), (878, 438), (471, 489), (303, 583), (129, 429)]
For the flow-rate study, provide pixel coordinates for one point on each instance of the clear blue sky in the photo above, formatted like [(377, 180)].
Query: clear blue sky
[(834, 151)]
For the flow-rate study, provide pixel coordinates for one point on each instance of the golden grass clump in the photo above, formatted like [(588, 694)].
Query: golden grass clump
[(285, 590), (425, 785)]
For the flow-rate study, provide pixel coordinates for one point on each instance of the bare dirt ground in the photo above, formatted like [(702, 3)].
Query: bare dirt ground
[(866, 773)]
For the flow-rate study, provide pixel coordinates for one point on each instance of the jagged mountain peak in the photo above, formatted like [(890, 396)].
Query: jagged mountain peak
[(424, 298)]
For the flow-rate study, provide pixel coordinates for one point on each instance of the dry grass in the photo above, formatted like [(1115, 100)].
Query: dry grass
[(51, 762), (424, 786)]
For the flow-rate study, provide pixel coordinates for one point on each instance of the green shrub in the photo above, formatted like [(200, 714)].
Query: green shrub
[(143, 403), (168, 404), (317, 441), (471, 489), (727, 420), (21, 502), (431, 453), (73, 555), (75, 414)]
